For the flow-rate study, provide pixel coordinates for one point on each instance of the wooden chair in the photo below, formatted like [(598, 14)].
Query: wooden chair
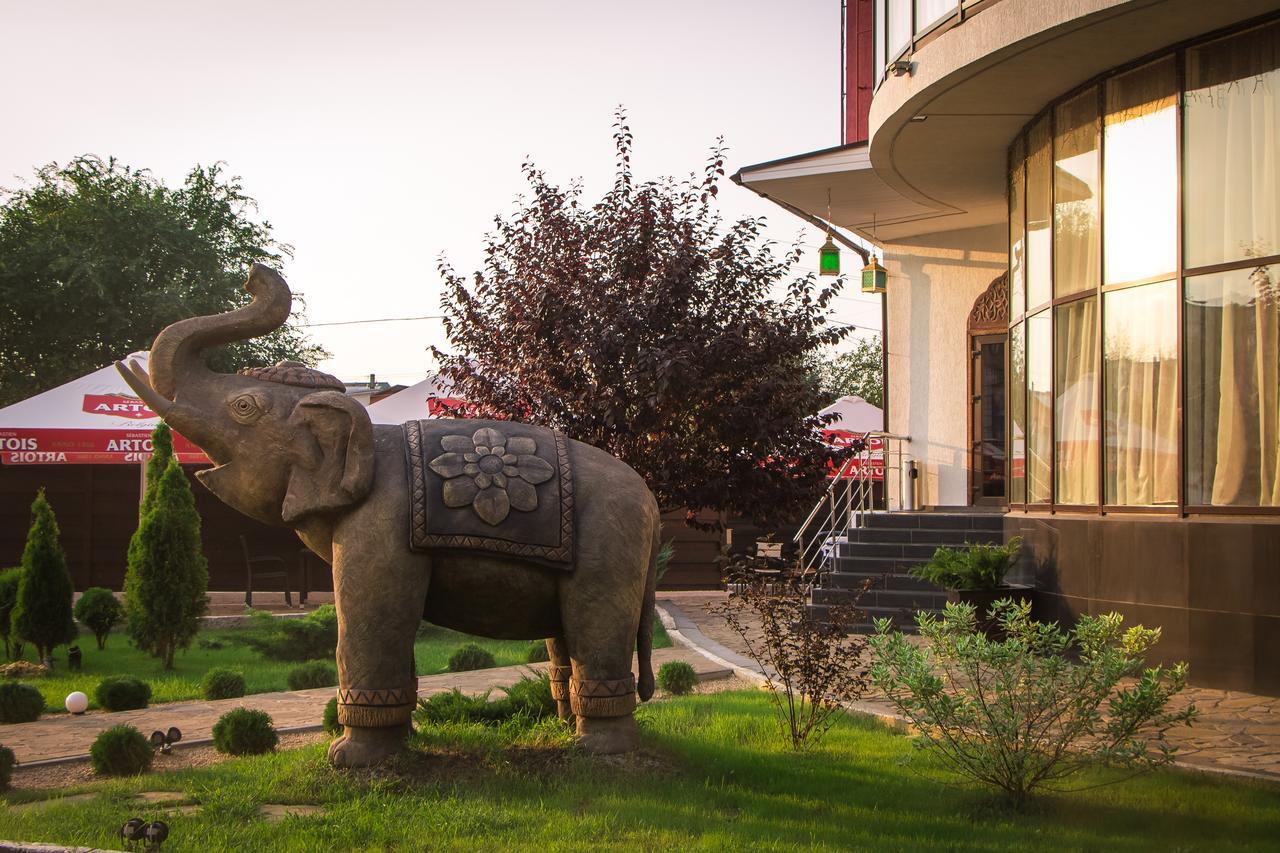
[(252, 565)]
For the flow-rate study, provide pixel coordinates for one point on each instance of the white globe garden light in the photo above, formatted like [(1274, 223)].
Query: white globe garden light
[(77, 702)]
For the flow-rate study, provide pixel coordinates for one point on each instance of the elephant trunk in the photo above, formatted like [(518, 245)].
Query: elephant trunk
[(176, 354)]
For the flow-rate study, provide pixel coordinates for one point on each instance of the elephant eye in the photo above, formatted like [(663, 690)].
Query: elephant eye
[(245, 408)]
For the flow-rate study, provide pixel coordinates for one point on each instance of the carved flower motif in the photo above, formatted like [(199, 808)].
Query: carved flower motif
[(491, 472)]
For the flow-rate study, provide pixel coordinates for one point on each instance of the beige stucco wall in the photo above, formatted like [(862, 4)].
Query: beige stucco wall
[(931, 290)]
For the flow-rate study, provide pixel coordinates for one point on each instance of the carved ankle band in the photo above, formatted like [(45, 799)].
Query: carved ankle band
[(613, 698), (376, 708)]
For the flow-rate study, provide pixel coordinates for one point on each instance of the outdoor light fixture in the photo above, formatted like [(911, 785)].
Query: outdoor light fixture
[(164, 741), (874, 277), (155, 832), (900, 67), (829, 258), (77, 703), (132, 829), (138, 831), (74, 657)]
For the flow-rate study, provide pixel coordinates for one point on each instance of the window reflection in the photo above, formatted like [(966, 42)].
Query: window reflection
[(899, 27), (929, 12), (1038, 214), (1017, 235), (1017, 414), (1075, 195), (1076, 405), (1039, 406)]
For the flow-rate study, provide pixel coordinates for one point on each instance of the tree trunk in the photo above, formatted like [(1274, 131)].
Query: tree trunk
[(168, 655)]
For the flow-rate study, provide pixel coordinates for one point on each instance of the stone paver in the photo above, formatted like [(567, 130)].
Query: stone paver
[(1235, 733), (65, 736)]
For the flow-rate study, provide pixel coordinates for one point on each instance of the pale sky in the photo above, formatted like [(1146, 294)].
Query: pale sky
[(377, 135)]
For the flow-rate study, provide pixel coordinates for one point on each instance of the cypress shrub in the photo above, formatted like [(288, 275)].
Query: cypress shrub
[(7, 761), (330, 721), (42, 614), (677, 677), (122, 693), (19, 703), (470, 657), (161, 456), (99, 610), (9, 581), (167, 576), (222, 683), (121, 751), (244, 731), (316, 673)]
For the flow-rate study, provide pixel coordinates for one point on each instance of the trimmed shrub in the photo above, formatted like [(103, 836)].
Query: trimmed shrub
[(981, 566), (528, 699), (222, 683), (331, 724), (677, 678), (312, 637), (167, 575), (469, 657), (42, 614), (122, 693), (537, 652), (121, 751), (244, 731), (19, 703), (9, 581), (99, 610), (7, 762), (316, 673), (23, 669)]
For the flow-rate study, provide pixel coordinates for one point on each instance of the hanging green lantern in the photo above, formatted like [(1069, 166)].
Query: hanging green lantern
[(829, 258), (874, 277)]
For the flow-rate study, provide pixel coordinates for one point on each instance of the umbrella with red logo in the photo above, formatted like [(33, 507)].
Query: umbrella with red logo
[(95, 419)]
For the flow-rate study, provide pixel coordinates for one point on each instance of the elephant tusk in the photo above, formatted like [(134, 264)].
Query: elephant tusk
[(141, 385)]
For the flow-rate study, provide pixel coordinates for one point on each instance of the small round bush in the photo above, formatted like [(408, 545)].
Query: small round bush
[(122, 693), (19, 703), (316, 673), (244, 731), (677, 678), (331, 724), (470, 657), (537, 652), (99, 610), (7, 761), (222, 683), (121, 751)]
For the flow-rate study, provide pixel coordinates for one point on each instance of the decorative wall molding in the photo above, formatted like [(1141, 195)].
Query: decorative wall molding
[(990, 312)]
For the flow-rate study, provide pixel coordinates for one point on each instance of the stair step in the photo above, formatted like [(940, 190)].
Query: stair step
[(903, 621), (936, 520), (879, 580), (885, 549), (879, 565), (934, 536), (878, 599)]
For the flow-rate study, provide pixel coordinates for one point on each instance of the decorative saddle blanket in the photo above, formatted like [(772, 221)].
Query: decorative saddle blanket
[(494, 486)]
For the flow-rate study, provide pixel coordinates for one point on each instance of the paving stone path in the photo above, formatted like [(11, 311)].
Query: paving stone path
[(1235, 733), (65, 737)]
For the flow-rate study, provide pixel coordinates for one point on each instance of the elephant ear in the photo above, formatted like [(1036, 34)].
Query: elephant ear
[(337, 469)]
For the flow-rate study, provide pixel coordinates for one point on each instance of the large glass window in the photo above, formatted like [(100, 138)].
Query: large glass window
[(1231, 122), (899, 27), (1075, 195), (1017, 235), (1039, 163), (1039, 406), (929, 12), (1075, 411), (1233, 387), (878, 33), (1017, 414), (1140, 231), (1140, 382)]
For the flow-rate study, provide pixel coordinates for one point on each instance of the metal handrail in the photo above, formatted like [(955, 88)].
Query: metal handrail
[(847, 501)]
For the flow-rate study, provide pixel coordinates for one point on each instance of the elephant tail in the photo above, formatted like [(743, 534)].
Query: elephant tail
[(644, 635)]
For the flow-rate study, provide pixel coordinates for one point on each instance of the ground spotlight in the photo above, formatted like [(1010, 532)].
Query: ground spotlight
[(164, 741)]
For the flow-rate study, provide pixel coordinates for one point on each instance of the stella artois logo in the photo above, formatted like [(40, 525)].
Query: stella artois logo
[(117, 406)]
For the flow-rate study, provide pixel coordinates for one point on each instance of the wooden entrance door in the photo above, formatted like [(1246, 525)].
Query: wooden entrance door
[(988, 338)]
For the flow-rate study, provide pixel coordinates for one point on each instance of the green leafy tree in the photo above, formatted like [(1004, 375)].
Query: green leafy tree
[(9, 581), (858, 372), (161, 456), (96, 256), (167, 576), (42, 614), (99, 610)]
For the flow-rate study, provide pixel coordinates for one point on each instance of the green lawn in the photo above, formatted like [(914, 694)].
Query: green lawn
[(712, 776), (432, 651)]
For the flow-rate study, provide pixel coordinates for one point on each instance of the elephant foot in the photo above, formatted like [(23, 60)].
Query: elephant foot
[(365, 747), (608, 735)]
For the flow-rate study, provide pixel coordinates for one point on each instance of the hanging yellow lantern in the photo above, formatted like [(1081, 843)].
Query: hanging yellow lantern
[(829, 258), (874, 277)]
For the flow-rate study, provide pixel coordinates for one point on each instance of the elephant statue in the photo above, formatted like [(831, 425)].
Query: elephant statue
[(494, 528)]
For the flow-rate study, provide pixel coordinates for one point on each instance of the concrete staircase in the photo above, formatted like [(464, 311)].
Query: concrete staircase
[(885, 550)]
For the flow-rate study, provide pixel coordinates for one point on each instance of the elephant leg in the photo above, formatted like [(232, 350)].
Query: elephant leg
[(379, 609), (560, 671), (602, 692)]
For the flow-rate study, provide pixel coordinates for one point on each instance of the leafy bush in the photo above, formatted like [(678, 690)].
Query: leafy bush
[(244, 731), (122, 693), (9, 582), (167, 574), (981, 566), (99, 610), (665, 553), (529, 699), (23, 669), (7, 762), (42, 613), (222, 683), (330, 721), (1026, 712), (811, 663), (469, 657), (537, 652), (677, 677), (121, 751), (312, 637), (316, 673), (19, 703)]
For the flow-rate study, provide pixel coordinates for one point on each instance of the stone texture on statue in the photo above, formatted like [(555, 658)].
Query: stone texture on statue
[(581, 528)]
